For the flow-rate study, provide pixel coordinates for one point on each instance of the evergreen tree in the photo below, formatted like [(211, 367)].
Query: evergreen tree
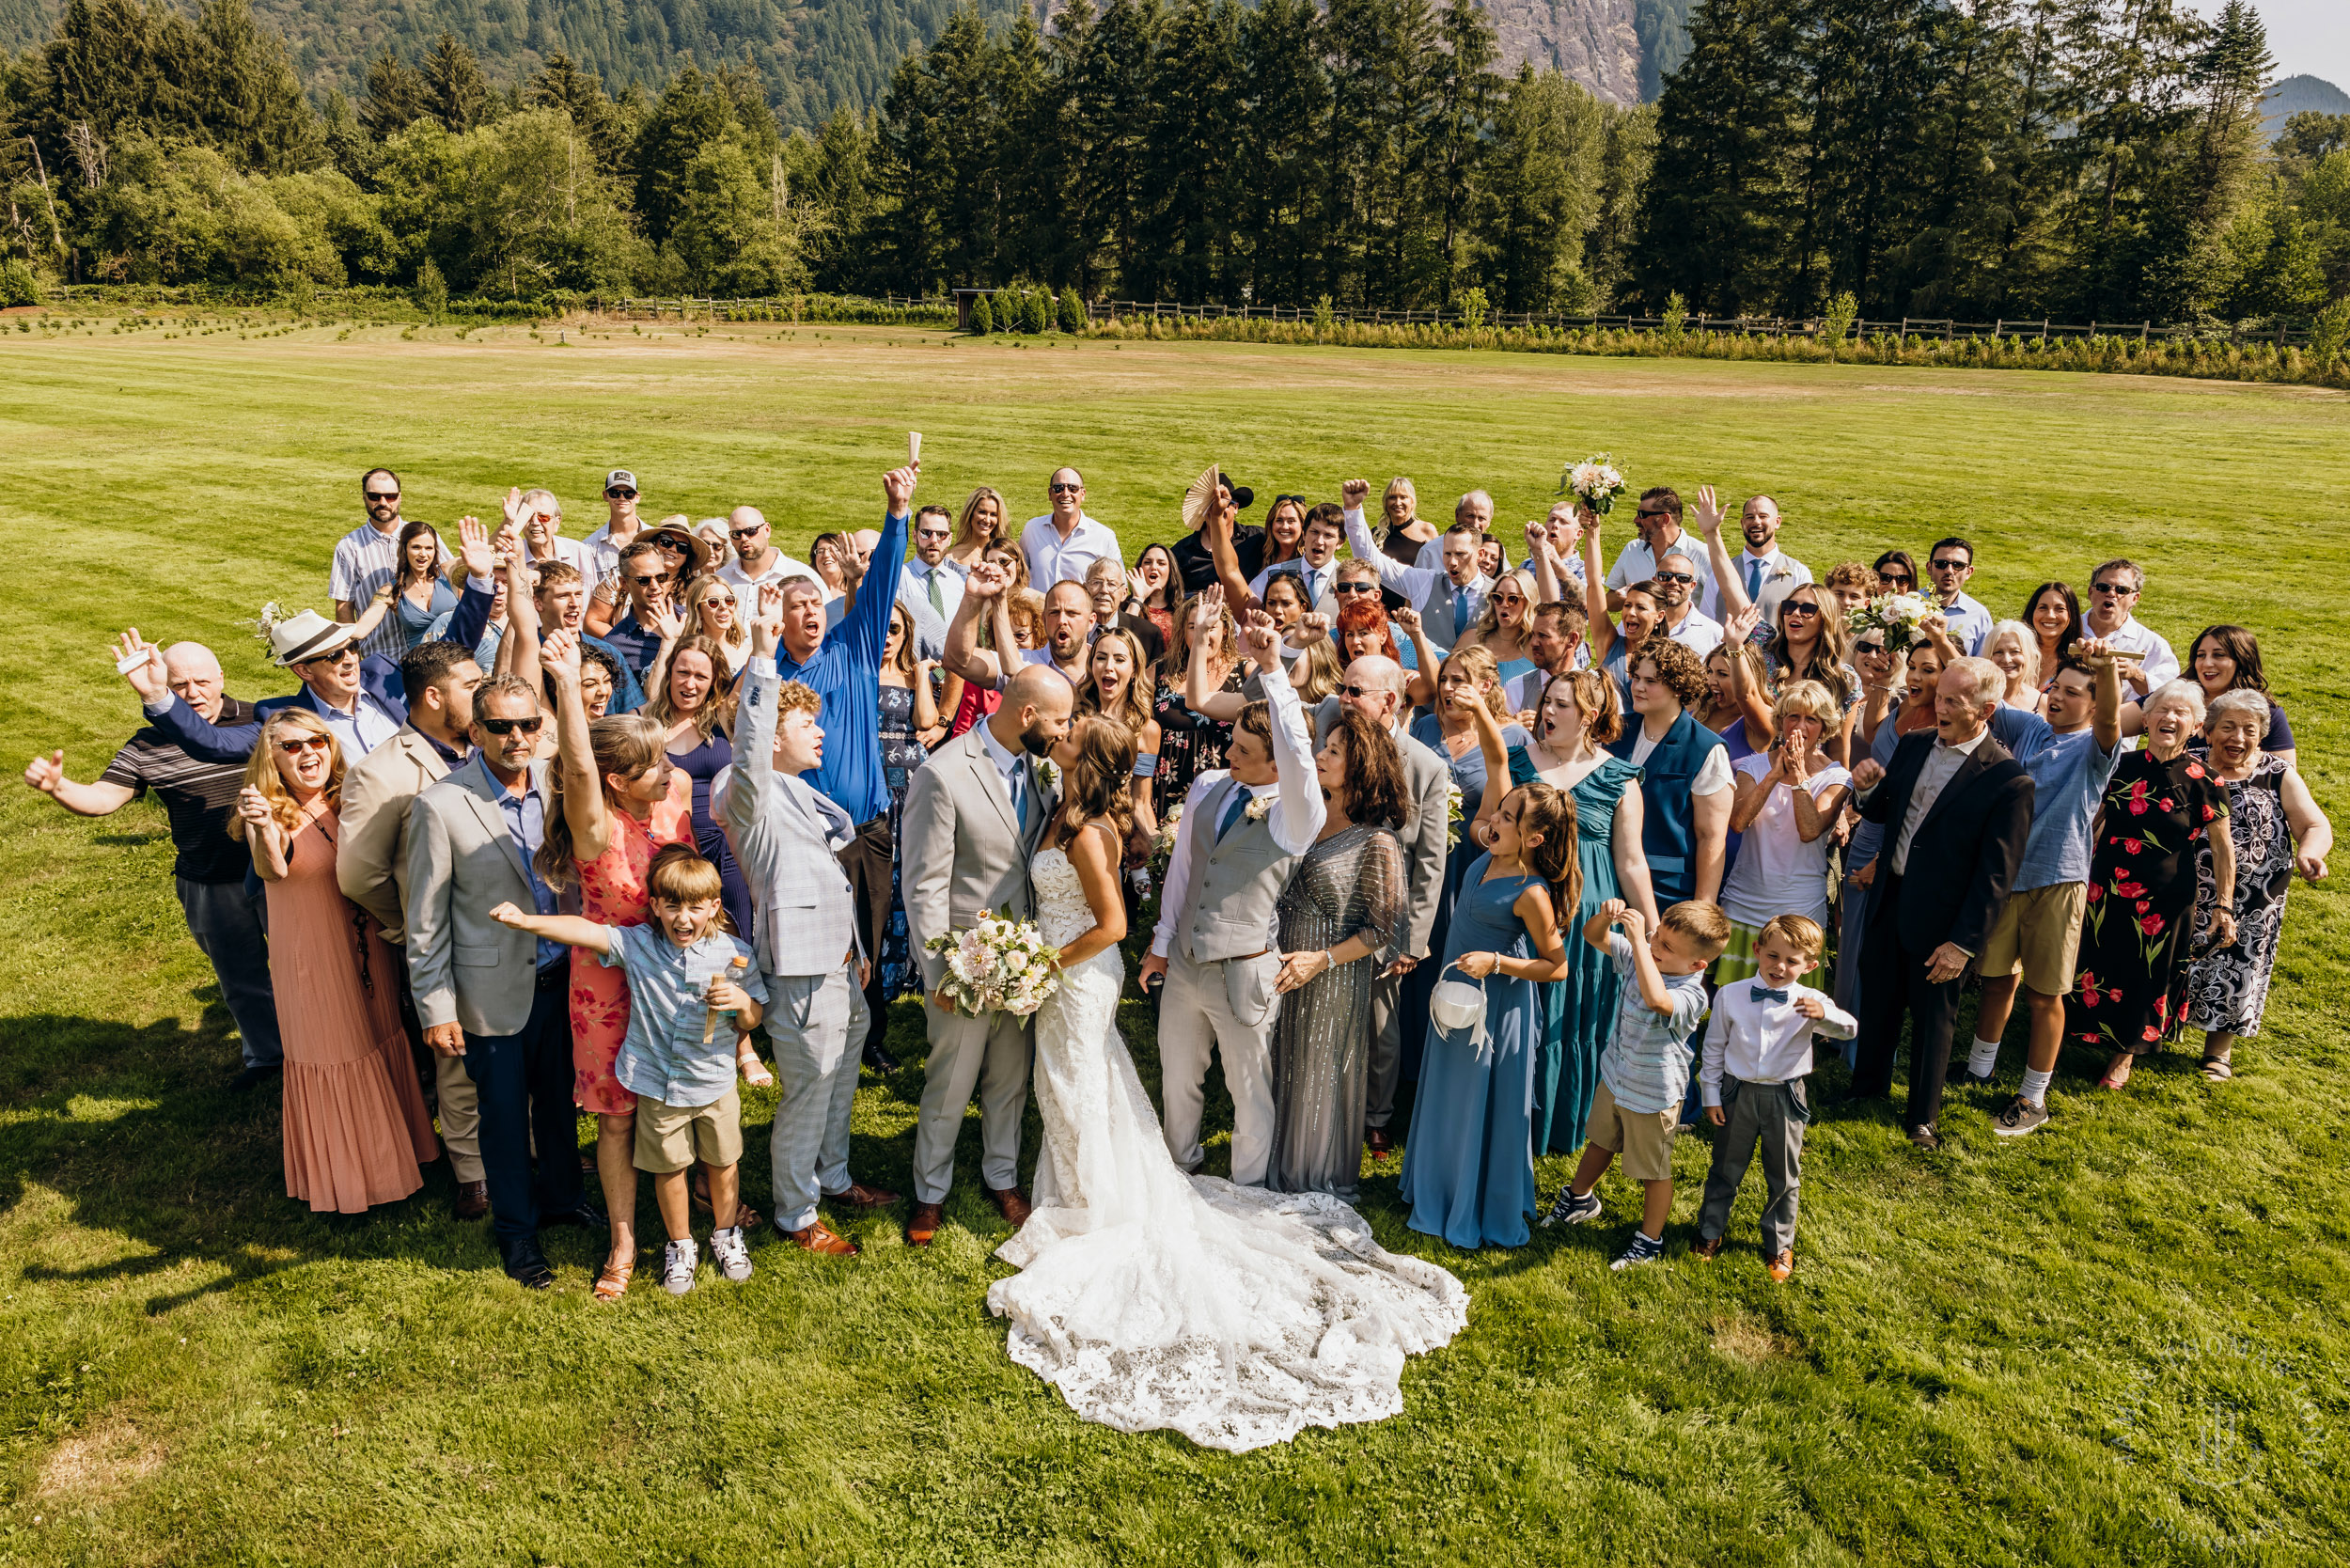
[(245, 95), (560, 84), (396, 97), (1627, 156), (1465, 90), (692, 112), (455, 91), (1186, 230), (1284, 108), (1543, 193)]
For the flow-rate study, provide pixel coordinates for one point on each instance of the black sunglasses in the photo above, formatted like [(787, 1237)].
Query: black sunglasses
[(1299, 499), (507, 727), (622, 494), (743, 533), (1355, 588), (1675, 577), (1949, 566), (1064, 488), (383, 494), (1350, 689), (2114, 588), (1900, 579), (648, 582), (1798, 607), (1652, 512)]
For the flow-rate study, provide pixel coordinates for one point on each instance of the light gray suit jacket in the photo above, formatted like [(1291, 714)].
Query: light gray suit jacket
[(960, 854), (786, 838), (465, 967), (371, 862), (1427, 838)]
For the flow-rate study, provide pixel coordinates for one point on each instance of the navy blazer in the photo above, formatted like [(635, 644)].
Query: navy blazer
[(380, 687), (1963, 859)]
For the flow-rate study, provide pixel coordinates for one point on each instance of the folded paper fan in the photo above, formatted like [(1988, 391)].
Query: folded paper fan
[(1201, 496)]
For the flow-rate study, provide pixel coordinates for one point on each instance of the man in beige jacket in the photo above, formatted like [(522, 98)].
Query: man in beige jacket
[(371, 862)]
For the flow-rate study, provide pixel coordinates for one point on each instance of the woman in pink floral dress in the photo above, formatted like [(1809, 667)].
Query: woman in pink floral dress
[(2135, 937), (618, 800)]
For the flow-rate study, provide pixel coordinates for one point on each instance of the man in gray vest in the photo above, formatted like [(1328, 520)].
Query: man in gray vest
[(1373, 686), (1243, 829)]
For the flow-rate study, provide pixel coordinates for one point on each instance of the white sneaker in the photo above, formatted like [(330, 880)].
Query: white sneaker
[(732, 1258), (679, 1260)]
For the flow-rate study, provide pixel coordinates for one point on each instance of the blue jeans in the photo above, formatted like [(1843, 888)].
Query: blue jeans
[(232, 930), (525, 1085)]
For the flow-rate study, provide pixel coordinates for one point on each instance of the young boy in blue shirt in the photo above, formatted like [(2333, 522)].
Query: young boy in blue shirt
[(1644, 1072), (678, 1059)]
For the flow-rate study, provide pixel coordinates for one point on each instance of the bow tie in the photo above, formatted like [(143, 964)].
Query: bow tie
[(1764, 993)]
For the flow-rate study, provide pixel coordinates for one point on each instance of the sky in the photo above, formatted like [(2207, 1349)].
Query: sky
[(2306, 37)]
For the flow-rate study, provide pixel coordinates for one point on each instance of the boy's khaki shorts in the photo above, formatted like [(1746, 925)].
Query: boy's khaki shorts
[(2039, 931), (1643, 1140), (670, 1138)]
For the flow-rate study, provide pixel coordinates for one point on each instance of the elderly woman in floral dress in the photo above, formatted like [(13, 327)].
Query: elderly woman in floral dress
[(2158, 815)]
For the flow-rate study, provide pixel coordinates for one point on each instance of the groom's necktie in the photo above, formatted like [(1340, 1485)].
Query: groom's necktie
[(1232, 813), (1016, 782)]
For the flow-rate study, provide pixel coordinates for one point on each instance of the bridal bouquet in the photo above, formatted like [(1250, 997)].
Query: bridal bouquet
[(999, 965), (1596, 483), (1897, 616)]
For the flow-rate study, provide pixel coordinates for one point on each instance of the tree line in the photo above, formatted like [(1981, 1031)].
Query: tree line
[(2081, 158)]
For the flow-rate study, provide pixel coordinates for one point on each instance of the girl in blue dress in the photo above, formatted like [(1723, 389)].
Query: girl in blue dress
[(1468, 1163)]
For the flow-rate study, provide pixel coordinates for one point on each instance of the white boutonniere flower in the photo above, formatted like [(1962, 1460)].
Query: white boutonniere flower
[(1257, 810), (1047, 772)]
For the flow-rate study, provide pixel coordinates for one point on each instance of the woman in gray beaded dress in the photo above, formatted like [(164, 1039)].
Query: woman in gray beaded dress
[(1342, 917)]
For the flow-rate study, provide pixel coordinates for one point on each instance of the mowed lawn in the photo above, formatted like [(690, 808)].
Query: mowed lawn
[(2120, 1340)]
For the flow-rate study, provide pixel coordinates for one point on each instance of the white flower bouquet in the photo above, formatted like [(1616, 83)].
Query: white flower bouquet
[(1897, 615), (1452, 802), (1596, 483), (1001, 964)]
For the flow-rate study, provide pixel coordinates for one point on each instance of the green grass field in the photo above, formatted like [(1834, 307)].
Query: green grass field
[(2121, 1340)]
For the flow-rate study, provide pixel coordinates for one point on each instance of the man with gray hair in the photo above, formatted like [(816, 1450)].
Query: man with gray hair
[(1373, 686), (539, 517), (2111, 619), (1956, 808), (198, 797)]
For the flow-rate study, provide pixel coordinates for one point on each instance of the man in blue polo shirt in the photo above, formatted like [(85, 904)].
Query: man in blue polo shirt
[(842, 665)]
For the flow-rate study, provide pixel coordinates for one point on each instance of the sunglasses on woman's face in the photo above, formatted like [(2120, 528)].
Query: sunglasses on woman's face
[(507, 727), (726, 601), (308, 742), (1894, 579), (1793, 608)]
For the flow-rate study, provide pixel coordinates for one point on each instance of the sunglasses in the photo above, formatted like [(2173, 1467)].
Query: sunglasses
[(1675, 577), (374, 495), (1652, 512), (1949, 566), (1508, 599), (346, 651), (507, 727), (2114, 589), (934, 533), (308, 742), (1894, 579), (1064, 488), (1350, 689), (1355, 588), (709, 600), (654, 581), (620, 495), (743, 533), (1793, 608), (1876, 647)]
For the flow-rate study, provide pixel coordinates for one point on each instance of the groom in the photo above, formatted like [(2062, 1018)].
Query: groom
[(1241, 835), (975, 814)]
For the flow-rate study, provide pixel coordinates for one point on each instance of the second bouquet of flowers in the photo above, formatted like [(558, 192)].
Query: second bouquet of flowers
[(1002, 965)]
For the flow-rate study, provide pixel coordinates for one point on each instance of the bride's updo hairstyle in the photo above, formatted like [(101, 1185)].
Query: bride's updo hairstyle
[(1099, 785)]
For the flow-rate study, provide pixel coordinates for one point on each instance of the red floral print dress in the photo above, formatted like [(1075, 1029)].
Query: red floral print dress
[(2136, 935), (612, 892)]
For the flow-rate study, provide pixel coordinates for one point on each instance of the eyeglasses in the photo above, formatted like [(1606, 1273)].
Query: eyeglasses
[(1057, 489), (934, 533), (620, 495), (2113, 589), (507, 727), (308, 742), (709, 600), (1793, 608), (1355, 588), (654, 581), (1950, 565), (1876, 647), (744, 533), (1675, 577), (1894, 579)]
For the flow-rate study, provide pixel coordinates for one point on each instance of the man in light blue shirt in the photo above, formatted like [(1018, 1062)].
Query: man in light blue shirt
[(931, 585), (1949, 564), (2036, 939)]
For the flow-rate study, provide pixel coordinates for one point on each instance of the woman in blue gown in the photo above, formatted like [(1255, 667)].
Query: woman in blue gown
[(1468, 1163)]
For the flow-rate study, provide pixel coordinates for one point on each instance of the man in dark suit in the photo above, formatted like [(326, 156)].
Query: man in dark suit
[(1956, 808)]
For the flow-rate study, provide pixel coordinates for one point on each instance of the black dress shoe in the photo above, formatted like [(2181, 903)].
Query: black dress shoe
[(589, 1215), (527, 1266), (878, 1059), (1924, 1138), (255, 1075)]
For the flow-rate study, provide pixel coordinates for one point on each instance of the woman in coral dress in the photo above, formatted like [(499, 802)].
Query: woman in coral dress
[(355, 1127), (620, 800)]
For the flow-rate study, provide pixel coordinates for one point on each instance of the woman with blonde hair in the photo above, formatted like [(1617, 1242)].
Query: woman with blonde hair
[(713, 611), (984, 523), (1317, 672), (2012, 647), (1506, 623), (1573, 723), (1808, 642), (1787, 800), (615, 800), (1206, 654), (355, 1125)]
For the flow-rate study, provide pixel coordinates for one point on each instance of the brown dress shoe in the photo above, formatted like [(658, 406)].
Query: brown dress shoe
[(1013, 1204), (858, 1196), (473, 1200), (1704, 1248), (820, 1239), (1381, 1144), (924, 1225), (1783, 1266)]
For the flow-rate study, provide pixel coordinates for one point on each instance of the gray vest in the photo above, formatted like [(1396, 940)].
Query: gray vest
[(1234, 885)]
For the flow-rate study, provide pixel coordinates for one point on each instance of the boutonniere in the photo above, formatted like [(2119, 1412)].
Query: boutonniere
[(1047, 772), (1257, 810)]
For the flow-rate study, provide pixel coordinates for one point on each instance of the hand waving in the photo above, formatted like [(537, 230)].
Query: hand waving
[(1709, 513), (146, 675), (475, 549)]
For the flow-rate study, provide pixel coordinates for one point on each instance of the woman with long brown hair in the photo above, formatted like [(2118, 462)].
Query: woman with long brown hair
[(355, 1125), (693, 700), (614, 801), (417, 595), (1118, 685), (909, 728), (1342, 919), (2054, 614)]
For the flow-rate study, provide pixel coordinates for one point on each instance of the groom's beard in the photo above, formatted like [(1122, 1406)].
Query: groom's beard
[(1036, 741)]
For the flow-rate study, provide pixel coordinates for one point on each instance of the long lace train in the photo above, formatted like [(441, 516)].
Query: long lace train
[(1152, 1299)]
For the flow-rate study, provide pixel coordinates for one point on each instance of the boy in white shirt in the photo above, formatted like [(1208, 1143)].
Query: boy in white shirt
[(1758, 1052)]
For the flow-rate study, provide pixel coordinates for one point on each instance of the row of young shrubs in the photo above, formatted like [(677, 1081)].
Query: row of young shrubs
[(2215, 359)]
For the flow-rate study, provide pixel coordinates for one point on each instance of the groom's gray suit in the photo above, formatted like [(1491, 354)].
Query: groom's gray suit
[(963, 853)]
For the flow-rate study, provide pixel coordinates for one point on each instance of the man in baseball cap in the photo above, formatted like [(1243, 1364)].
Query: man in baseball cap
[(602, 566)]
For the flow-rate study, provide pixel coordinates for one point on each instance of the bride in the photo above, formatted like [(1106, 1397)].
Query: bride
[(1235, 1316)]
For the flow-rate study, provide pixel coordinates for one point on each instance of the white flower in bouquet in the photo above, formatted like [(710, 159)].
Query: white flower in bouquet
[(1898, 615), (999, 964), (1452, 800), (1596, 483)]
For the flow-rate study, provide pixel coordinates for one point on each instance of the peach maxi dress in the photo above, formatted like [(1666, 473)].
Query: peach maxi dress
[(355, 1127)]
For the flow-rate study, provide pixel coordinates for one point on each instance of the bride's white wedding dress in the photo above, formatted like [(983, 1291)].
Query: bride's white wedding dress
[(1235, 1316)]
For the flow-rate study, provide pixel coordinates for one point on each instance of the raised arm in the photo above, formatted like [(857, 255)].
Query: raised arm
[(47, 775), (983, 594), (479, 593), (1497, 753), (572, 930), (1545, 558), (1709, 520), (583, 810), (518, 650), (1412, 581), (866, 627), (755, 718), (1303, 811), (1598, 630), (1200, 692), (1218, 531)]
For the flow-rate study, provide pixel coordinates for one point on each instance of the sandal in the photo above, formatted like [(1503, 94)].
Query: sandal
[(745, 1217), (2121, 1081), (753, 1069), (612, 1281), (2218, 1068)]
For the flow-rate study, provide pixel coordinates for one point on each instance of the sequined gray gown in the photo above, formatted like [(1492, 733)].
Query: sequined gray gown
[(1350, 883)]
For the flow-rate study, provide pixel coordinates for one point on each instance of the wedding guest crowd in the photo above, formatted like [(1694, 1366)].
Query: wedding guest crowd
[(1589, 854)]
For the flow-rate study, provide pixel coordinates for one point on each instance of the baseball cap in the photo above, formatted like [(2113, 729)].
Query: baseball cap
[(621, 477)]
